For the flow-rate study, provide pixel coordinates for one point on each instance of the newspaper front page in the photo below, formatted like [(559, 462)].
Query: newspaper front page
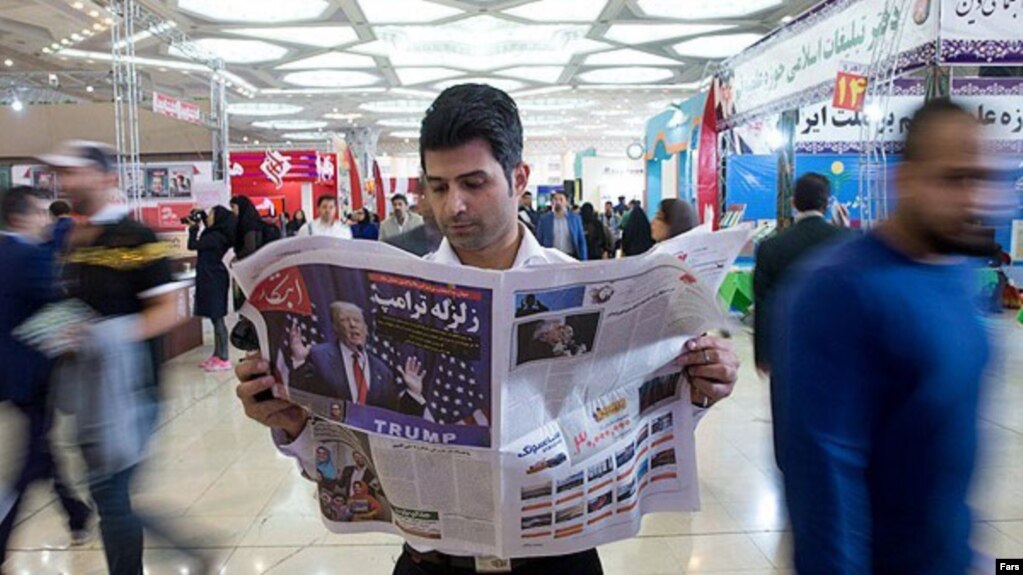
[(528, 412)]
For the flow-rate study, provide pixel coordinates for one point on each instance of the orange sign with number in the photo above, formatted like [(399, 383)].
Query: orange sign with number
[(850, 92)]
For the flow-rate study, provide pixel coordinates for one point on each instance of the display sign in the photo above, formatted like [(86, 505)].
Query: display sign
[(850, 91), (982, 31), (279, 167), (176, 108), (996, 102), (798, 64)]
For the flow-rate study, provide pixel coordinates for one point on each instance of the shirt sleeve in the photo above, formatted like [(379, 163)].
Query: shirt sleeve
[(302, 449), (824, 418)]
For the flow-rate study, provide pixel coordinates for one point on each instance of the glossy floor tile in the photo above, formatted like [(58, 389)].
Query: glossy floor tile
[(215, 479)]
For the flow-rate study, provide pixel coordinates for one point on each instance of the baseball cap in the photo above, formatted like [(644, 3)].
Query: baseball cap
[(82, 154)]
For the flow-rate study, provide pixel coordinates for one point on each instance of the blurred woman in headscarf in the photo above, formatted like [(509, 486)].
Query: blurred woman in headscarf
[(248, 234), (636, 237), (364, 227), (212, 281), (674, 218)]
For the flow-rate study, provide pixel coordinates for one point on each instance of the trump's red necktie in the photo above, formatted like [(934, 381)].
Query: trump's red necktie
[(360, 380)]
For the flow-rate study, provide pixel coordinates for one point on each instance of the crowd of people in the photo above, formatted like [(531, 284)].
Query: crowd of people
[(873, 348)]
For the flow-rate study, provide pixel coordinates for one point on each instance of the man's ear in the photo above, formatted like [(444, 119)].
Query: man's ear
[(520, 180)]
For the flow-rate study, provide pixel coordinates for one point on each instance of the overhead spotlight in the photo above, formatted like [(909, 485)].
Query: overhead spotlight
[(78, 6), (90, 89), (17, 106), (8, 62), (65, 41), (97, 27), (94, 13)]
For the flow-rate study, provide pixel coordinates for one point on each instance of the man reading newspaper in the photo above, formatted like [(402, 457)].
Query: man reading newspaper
[(471, 152)]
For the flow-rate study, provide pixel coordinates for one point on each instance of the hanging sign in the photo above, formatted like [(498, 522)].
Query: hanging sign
[(982, 31), (177, 109), (850, 91)]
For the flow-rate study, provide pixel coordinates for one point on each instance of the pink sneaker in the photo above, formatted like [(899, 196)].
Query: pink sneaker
[(217, 364), (206, 362)]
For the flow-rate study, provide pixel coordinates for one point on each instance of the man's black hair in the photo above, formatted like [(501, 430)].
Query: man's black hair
[(399, 197), (930, 113), (17, 201), (325, 198), (812, 193), (468, 112), (60, 208)]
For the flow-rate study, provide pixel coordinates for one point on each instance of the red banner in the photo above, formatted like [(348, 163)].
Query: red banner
[(707, 195), (177, 109), (280, 167)]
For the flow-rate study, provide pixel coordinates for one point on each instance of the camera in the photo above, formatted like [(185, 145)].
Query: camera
[(196, 216)]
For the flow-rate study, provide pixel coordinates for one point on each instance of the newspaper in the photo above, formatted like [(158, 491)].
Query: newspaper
[(528, 412)]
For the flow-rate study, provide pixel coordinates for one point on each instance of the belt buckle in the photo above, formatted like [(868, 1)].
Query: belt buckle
[(493, 565)]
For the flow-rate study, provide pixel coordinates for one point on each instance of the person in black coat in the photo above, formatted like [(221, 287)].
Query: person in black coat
[(637, 237), (249, 230), (212, 282), (778, 255)]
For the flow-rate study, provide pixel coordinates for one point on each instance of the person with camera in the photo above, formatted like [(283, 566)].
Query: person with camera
[(211, 278)]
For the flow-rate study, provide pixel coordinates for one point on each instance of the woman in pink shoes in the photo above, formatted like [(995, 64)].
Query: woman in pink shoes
[(211, 279)]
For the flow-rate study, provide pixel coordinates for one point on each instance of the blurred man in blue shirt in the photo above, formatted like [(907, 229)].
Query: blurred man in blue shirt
[(879, 354)]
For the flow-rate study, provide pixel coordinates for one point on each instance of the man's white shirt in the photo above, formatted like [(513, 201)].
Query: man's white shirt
[(317, 228)]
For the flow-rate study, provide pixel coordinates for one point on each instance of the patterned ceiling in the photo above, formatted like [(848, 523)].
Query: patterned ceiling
[(579, 68)]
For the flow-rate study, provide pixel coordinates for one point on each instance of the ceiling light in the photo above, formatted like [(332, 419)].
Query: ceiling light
[(413, 122), (90, 89), (555, 104), (8, 62), (318, 36), (236, 51), (406, 134), (266, 11), (545, 74), (404, 11), (97, 27), (289, 92), (331, 60), (262, 109), (307, 136), (290, 124), (17, 106), (416, 107), (560, 11), (412, 93), (409, 76), (627, 57), (480, 43), (717, 46), (703, 10), (339, 116), (645, 33), (78, 6), (786, 19), (542, 91), (76, 37), (630, 75), (503, 84), (330, 78), (94, 13)]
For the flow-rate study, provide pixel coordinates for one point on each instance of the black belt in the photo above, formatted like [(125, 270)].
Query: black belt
[(439, 559)]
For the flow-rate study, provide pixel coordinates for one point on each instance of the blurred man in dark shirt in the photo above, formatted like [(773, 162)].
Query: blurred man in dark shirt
[(879, 355)]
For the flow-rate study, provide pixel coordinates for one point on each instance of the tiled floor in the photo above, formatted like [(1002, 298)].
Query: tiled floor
[(216, 478)]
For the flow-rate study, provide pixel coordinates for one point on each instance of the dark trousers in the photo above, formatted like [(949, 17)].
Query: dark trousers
[(219, 337), (119, 526), (585, 563), (40, 465)]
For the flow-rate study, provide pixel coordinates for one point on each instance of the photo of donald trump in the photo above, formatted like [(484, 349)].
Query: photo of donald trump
[(344, 369)]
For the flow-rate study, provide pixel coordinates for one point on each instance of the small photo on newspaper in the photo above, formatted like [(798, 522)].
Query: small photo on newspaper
[(349, 487), (384, 353)]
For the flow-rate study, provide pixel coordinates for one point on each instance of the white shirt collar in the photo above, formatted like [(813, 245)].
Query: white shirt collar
[(800, 216), (530, 252), (109, 214)]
